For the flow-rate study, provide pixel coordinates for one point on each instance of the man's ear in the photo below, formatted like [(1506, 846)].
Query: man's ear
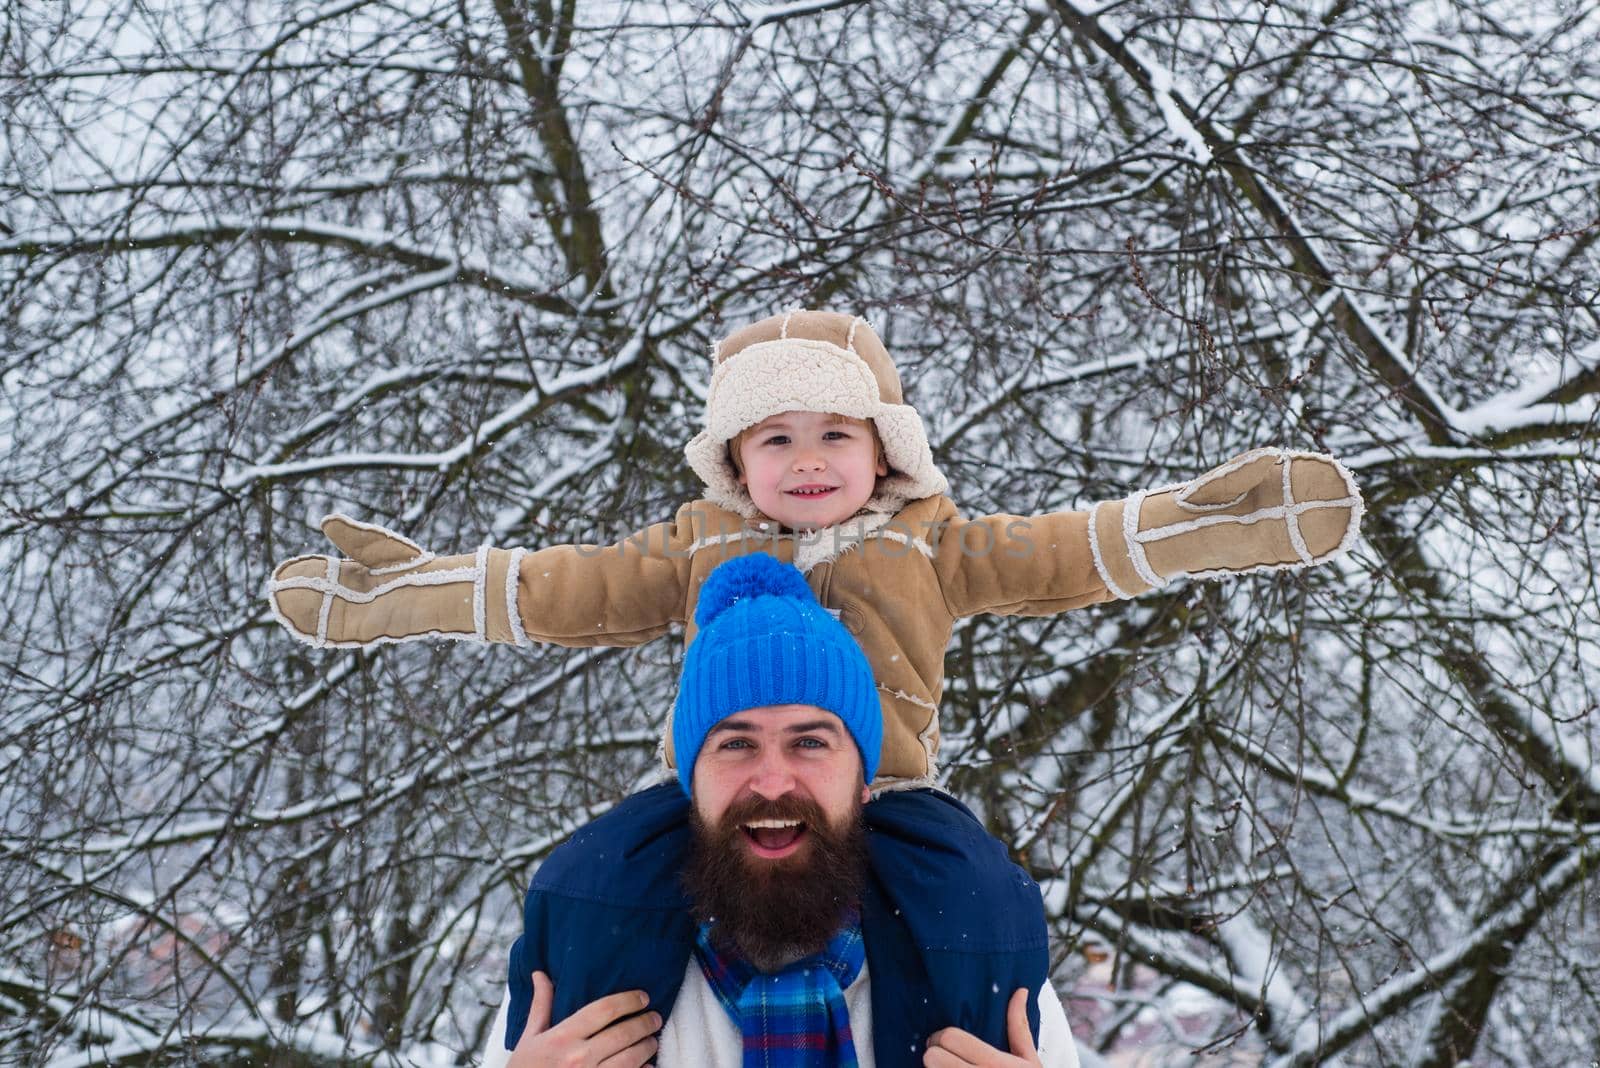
[(866, 793)]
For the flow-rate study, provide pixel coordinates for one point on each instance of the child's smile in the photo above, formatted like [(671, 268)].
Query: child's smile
[(810, 469)]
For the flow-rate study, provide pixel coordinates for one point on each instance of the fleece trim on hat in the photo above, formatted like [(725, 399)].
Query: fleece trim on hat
[(764, 640), (794, 372)]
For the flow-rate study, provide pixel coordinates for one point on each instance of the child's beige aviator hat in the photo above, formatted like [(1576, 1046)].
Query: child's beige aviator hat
[(811, 361)]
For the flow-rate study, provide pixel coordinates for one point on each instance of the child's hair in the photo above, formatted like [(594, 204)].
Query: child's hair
[(737, 442)]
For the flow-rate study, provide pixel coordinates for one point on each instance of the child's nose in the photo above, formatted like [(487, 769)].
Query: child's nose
[(809, 460)]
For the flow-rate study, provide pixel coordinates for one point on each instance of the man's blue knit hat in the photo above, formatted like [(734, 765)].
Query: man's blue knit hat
[(764, 640)]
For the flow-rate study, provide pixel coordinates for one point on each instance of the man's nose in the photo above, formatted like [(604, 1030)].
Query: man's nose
[(772, 778)]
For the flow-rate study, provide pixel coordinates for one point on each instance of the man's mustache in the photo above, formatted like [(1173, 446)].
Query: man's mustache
[(787, 807)]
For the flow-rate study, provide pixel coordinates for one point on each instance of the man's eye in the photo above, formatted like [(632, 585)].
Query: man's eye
[(736, 743), (810, 743)]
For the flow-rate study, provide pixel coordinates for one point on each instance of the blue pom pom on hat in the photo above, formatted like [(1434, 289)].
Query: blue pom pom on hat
[(764, 640)]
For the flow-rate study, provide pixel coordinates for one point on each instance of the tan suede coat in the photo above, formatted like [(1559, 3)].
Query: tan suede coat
[(897, 583)]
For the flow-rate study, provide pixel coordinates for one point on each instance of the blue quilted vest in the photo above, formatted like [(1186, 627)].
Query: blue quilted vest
[(951, 925)]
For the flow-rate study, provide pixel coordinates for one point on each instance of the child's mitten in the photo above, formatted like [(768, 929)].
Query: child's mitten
[(1265, 510), (393, 590)]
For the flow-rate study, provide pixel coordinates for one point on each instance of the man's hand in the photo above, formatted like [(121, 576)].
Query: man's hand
[(955, 1048), (610, 1031)]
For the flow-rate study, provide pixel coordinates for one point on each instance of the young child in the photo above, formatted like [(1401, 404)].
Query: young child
[(809, 453)]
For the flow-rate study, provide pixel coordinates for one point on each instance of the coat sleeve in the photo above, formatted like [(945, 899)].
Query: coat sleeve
[(1016, 565), (621, 594)]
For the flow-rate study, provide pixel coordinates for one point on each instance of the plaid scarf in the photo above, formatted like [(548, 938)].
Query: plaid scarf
[(795, 1018)]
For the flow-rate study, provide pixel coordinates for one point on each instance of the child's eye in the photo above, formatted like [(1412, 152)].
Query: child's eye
[(776, 439), (845, 434)]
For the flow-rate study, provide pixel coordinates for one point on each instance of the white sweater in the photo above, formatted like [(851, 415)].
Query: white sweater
[(699, 1034)]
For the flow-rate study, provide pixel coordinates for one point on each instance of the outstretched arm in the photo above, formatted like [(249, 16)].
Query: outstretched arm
[(386, 588), (1268, 509)]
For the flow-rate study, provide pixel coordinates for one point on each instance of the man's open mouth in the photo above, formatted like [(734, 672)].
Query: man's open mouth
[(774, 837)]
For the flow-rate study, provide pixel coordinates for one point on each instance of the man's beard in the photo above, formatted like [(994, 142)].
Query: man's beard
[(771, 913)]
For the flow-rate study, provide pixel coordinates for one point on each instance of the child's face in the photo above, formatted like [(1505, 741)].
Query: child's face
[(810, 469)]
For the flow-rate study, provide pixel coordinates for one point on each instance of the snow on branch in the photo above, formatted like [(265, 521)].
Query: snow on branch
[(1385, 355), (1397, 994), (768, 14), (1465, 829), (197, 230), (489, 432)]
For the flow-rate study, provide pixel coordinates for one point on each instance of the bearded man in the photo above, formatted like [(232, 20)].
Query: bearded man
[(769, 923)]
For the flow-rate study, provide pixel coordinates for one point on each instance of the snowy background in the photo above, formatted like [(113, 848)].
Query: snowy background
[(456, 266)]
